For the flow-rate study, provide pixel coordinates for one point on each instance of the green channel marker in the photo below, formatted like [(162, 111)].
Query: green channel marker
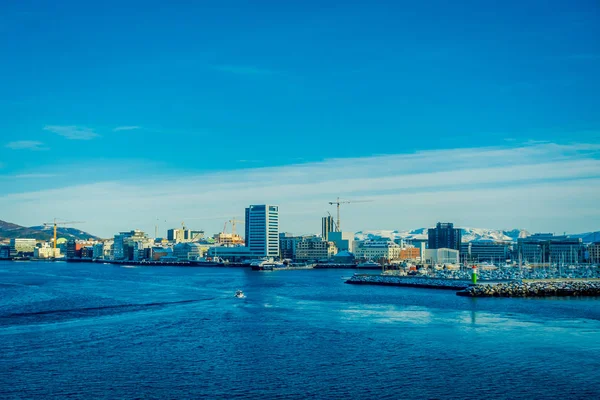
[(474, 275)]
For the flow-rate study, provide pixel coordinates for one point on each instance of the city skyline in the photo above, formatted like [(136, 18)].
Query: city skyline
[(479, 115)]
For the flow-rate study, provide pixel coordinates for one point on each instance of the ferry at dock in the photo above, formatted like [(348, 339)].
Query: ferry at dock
[(265, 265)]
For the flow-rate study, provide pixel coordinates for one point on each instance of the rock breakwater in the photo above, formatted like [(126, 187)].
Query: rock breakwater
[(409, 281), (533, 289)]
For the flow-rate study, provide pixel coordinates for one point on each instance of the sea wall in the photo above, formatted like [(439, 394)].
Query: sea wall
[(533, 289), (409, 281)]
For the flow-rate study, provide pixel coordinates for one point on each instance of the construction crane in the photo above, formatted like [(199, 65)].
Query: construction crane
[(55, 224), (233, 221), (338, 202), (225, 226)]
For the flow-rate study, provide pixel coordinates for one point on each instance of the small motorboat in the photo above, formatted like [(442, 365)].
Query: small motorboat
[(239, 294)]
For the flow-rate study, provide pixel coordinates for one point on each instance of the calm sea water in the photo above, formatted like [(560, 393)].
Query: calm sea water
[(101, 331)]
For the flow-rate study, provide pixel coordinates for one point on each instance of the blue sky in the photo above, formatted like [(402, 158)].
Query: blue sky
[(146, 94)]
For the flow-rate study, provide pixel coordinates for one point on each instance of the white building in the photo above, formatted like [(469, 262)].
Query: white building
[(344, 241), (46, 251), (441, 256), (314, 249), (377, 250), (262, 230)]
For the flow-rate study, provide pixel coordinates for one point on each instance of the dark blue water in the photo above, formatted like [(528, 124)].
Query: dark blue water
[(100, 331)]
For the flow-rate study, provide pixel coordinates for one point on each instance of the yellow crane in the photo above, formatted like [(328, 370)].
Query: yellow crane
[(56, 223), (338, 202), (233, 221)]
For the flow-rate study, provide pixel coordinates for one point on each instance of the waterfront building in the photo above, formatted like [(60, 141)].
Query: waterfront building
[(158, 252), (287, 245), (21, 246), (314, 248), (188, 251), (123, 243), (231, 254), (87, 252), (376, 250), (327, 226), (440, 256), (262, 230), (543, 248), (344, 241), (98, 252), (486, 250), (5, 252), (140, 250), (46, 251), (444, 236), (73, 249), (410, 253)]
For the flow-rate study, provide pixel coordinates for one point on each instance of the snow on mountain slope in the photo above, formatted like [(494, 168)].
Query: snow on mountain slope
[(468, 234)]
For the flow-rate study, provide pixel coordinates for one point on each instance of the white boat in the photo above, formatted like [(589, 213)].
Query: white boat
[(239, 294), (368, 264)]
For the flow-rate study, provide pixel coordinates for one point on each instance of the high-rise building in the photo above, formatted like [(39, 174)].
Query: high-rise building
[(327, 225), (262, 230), (444, 236)]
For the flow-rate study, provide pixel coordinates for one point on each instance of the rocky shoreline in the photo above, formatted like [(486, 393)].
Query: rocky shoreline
[(534, 289), (408, 281)]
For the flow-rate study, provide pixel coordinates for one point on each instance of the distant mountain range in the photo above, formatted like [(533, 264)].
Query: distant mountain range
[(10, 231), (468, 235)]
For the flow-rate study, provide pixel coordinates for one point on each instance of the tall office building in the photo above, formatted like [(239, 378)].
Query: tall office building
[(262, 230), (327, 225), (444, 236)]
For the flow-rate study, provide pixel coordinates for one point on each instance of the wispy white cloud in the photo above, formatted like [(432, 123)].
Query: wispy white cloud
[(126, 128), (243, 70), (72, 132), (26, 145), (35, 176), (544, 186)]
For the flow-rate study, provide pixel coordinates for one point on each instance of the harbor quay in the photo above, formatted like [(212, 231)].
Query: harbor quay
[(408, 281)]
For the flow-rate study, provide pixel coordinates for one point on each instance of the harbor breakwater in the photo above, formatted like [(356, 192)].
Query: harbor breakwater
[(534, 289), (517, 288), (408, 281)]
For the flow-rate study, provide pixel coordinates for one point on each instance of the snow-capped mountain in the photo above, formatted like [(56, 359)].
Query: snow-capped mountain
[(468, 234)]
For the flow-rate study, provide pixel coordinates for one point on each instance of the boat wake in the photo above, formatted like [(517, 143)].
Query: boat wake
[(101, 308)]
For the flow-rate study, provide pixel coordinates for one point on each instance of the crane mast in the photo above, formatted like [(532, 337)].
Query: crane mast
[(55, 224), (337, 203)]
